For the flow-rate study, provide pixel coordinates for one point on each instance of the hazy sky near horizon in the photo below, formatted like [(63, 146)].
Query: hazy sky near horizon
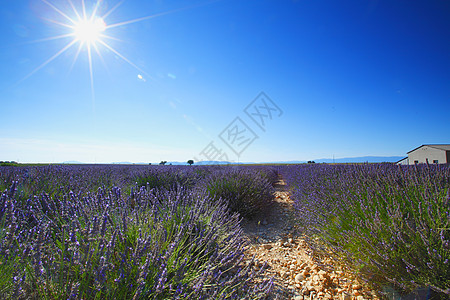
[(183, 80)]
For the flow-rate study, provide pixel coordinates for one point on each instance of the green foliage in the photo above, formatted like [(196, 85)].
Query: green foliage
[(247, 193), (89, 232), (164, 179), (8, 163), (390, 223)]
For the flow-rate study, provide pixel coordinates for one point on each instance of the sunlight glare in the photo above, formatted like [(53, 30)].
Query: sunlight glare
[(89, 31)]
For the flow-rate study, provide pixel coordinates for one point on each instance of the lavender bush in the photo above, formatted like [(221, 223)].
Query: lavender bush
[(60, 179), (168, 177), (145, 244), (246, 191), (390, 222), (270, 173)]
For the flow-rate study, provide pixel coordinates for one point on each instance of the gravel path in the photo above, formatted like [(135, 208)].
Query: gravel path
[(298, 272)]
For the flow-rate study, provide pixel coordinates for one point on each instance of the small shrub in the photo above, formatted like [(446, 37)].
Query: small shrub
[(167, 245), (170, 177), (247, 192), (389, 222)]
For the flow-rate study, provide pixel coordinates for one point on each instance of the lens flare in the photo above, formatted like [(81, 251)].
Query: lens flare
[(89, 31), (85, 27)]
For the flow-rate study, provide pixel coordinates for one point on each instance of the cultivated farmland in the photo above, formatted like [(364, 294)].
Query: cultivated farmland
[(175, 232)]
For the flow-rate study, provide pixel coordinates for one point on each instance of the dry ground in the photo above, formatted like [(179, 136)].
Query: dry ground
[(298, 272)]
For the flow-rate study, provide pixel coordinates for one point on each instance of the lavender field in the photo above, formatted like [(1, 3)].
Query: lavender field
[(128, 232), (166, 232), (389, 223)]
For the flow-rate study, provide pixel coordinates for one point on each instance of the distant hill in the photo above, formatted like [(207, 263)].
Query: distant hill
[(211, 162), (174, 163), (361, 159)]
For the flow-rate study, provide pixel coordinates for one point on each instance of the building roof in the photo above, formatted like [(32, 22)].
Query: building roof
[(445, 147), (404, 158)]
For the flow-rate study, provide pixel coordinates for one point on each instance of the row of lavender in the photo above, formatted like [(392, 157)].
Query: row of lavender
[(389, 222), (128, 232)]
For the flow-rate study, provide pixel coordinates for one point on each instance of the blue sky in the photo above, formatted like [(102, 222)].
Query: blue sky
[(350, 78)]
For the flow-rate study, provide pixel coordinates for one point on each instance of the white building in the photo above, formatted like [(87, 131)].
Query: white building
[(433, 154)]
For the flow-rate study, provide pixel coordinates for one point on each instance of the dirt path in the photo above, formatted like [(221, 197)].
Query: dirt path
[(298, 273)]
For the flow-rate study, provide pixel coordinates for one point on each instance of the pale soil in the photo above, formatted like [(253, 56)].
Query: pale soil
[(299, 273)]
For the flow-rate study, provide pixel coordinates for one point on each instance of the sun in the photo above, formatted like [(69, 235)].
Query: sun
[(89, 31), (86, 27)]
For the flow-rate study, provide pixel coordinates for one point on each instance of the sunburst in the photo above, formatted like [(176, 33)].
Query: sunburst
[(88, 31)]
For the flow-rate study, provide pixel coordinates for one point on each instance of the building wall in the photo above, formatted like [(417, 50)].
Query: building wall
[(420, 155), (403, 161)]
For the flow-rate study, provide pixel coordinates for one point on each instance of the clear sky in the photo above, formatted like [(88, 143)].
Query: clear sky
[(345, 78)]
